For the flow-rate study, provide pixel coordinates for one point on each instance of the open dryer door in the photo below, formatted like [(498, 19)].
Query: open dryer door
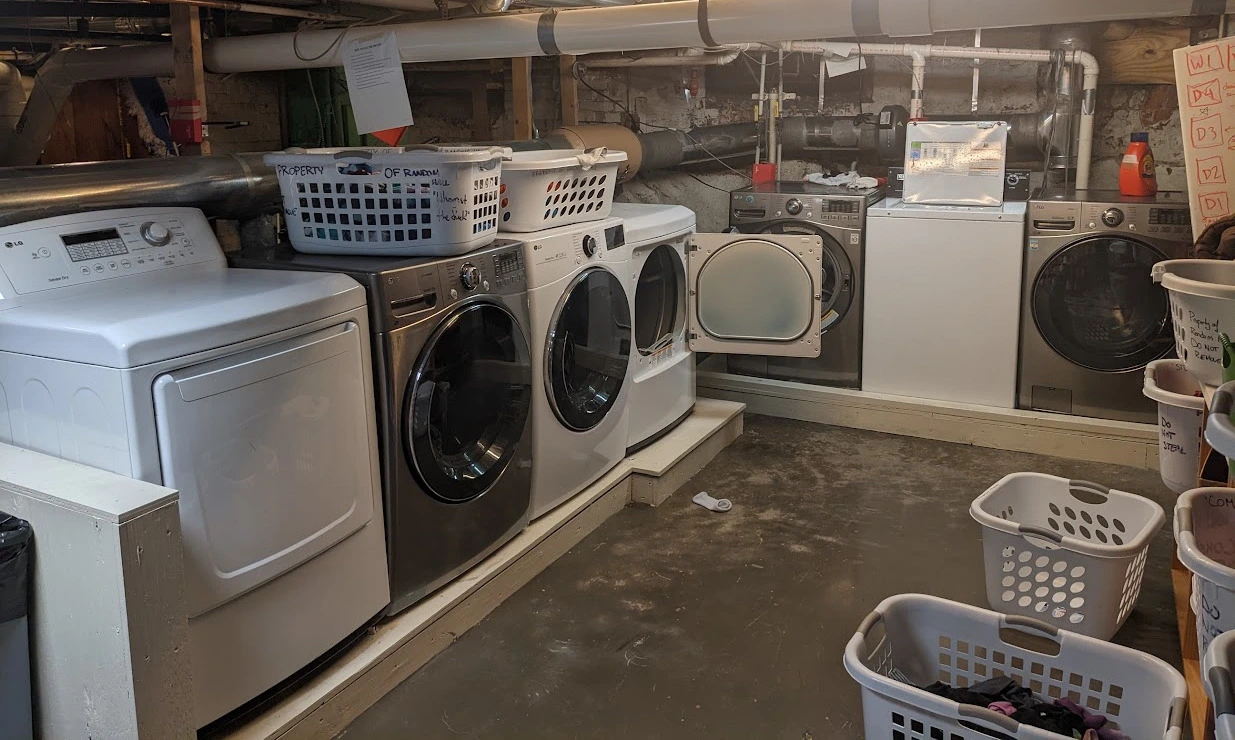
[(755, 294)]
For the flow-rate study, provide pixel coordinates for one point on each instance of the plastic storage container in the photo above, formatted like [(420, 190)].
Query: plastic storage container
[(913, 640), (1219, 431), (1069, 552), (541, 190), (1205, 541), (1202, 294), (16, 710), (1216, 665), (437, 201), (1181, 409)]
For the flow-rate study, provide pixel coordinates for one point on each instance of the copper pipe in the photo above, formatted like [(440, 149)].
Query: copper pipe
[(239, 7)]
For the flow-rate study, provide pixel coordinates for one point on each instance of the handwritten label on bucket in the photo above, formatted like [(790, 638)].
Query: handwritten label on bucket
[(1196, 335)]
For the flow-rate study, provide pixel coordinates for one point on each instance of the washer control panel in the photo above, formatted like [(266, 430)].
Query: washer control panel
[(751, 207), (1166, 221), (87, 247)]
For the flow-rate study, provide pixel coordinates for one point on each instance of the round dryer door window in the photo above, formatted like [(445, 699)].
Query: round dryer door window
[(588, 350), (1095, 303), (468, 402), (837, 270), (660, 306)]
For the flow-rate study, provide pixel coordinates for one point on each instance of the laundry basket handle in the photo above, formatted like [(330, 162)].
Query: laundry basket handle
[(869, 623), (1222, 402), (1002, 721), (1219, 431), (1016, 620), (1223, 692), (1095, 489), (1036, 531)]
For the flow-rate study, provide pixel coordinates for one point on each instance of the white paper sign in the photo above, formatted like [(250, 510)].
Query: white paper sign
[(844, 65), (1205, 80), (375, 83)]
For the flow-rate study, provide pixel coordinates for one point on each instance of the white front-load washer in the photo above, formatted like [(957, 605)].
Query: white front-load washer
[(579, 312), (127, 344), (662, 391)]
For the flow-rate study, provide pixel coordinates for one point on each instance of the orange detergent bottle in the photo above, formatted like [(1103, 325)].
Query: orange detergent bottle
[(1136, 172)]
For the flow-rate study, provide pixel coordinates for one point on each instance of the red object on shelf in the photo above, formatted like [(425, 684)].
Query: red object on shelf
[(1137, 175), (185, 120), (390, 136), (762, 174)]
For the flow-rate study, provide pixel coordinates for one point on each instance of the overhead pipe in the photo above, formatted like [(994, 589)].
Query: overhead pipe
[(12, 100), (239, 7), (674, 58), (231, 186), (920, 52)]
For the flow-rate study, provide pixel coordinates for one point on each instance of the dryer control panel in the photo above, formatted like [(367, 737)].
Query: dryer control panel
[(85, 248), (753, 207)]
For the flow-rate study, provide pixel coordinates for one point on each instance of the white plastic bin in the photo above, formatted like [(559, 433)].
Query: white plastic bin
[(424, 201), (1219, 431), (1069, 552), (1216, 665), (1205, 540), (913, 640), (545, 189), (1202, 294), (1181, 408)]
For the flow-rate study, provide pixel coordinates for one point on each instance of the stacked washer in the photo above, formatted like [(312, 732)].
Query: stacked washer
[(662, 391), (1091, 316), (837, 215), (126, 344), (454, 397), (579, 306)]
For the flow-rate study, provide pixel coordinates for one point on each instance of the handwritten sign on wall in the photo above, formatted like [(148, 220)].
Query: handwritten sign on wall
[(1205, 80)]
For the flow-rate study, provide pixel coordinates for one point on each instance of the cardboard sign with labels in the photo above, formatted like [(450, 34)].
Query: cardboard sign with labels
[(1205, 80)]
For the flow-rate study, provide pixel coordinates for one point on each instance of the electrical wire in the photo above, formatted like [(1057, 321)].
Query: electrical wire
[(330, 49)]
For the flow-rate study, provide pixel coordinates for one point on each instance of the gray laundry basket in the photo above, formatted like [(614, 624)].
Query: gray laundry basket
[(1071, 553), (1217, 663), (913, 640)]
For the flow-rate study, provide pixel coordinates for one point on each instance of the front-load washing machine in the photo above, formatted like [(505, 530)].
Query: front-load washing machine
[(662, 391), (127, 344), (1091, 316), (454, 396), (837, 215)]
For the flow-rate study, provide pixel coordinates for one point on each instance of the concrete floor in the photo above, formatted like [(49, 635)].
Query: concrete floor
[(676, 622)]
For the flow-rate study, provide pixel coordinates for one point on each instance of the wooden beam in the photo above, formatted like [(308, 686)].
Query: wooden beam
[(521, 96), (190, 75), (480, 108), (1142, 57), (570, 90)]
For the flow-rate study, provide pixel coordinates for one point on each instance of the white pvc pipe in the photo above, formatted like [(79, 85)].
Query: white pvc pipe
[(678, 58), (1083, 59)]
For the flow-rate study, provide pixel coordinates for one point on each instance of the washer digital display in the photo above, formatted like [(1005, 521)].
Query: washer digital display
[(91, 245)]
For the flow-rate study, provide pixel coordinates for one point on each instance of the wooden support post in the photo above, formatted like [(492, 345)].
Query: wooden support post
[(190, 81), (570, 90), (521, 95), (480, 108)]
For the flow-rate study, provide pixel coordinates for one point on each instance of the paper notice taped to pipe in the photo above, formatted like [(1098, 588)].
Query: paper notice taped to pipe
[(844, 65), (375, 83)]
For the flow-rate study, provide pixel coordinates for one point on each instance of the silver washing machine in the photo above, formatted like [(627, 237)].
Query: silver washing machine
[(838, 216), (1091, 315), (453, 369)]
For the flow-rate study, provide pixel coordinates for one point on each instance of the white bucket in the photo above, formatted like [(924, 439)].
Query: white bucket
[(1202, 294), (1181, 409), (1205, 542)]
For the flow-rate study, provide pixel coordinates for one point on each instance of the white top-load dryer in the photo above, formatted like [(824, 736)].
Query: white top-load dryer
[(662, 391), (127, 344)]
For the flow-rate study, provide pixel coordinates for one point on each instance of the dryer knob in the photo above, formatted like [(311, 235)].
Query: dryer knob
[(1112, 217), (589, 245), (793, 206), (470, 276)]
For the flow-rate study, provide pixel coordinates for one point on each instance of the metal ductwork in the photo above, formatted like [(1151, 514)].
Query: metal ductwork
[(235, 186)]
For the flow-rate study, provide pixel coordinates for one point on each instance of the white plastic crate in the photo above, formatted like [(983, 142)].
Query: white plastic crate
[(424, 201), (544, 189), (913, 640), (1071, 553), (1205, 541), (1216, 670)]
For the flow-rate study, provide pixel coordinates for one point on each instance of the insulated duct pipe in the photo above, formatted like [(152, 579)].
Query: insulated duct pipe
[(678, 58), (12, 100), (665, 25), (234, 186), (1083, 59)]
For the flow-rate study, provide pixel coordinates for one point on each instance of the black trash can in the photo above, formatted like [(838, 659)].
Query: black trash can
[(16, 710)]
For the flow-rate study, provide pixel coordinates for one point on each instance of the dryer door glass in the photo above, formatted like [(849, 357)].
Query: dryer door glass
[(1095, 303), (660, 311), (468, 402), (837, 271), (588, 351)]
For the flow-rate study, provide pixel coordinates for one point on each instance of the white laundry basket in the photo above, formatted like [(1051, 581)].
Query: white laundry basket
[(913, 640), (1071, 553), (1202, 294), (423, 201), (1205, 541), (1216, 666), (1181, 408), (544, 189), (1219, 431)]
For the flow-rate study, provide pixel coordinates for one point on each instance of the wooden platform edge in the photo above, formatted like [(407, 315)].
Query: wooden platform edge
[(654, 481), (1198, 701), (397, 648), (1077, 438)]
